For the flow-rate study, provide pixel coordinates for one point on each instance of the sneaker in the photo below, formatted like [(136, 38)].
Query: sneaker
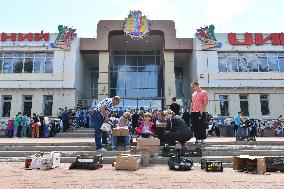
[(127, 148), (102, 150), (197, 142), (203, 142), (113, 149)]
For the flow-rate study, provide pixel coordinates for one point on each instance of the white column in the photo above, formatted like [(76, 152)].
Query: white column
[(234, 104), (103, 82), (254, 106), (169, 77), (37, 106), (213, 106), (17, 102)]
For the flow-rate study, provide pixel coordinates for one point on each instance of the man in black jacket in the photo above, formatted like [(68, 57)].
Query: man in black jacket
[(176, 129)]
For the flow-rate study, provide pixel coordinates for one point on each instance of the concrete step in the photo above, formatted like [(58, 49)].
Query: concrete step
[(18, 150), (47, 148), (242, 147), (63, 153), (81, 131), (74, 135), (49, 144), (243, 152), (111, 159)]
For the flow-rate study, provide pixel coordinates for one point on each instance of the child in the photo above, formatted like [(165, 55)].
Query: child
[(146, 129), (10, 128)]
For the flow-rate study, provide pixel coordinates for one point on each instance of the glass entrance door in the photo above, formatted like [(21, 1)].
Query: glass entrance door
[(137, 77)]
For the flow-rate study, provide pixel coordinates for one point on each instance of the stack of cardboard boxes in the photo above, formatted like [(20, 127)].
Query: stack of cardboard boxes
[(148, 144)]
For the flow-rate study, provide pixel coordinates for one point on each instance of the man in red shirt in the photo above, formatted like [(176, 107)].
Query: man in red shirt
[(198, 110)]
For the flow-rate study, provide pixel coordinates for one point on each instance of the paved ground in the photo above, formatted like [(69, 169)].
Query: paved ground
[(60, 140), (14, 176)]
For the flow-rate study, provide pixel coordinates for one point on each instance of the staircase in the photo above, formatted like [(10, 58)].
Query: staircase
[(77, 133), (223, 151)]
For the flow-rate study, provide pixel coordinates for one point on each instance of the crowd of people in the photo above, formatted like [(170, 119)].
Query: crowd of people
[(39, 126), (165, 125), (169, 126), (242, 126), (22, 125)]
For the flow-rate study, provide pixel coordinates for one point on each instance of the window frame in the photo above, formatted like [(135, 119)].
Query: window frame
[(3, 102)]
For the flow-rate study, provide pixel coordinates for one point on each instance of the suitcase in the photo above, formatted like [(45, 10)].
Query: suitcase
[(87, 162), (180, 163)]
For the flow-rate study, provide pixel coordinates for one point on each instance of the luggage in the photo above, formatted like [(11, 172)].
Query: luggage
[(169, 151), (87, 162), (180, 163), (211, 165)]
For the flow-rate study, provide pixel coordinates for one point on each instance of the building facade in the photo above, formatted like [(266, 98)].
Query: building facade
[(246, 74), (37, 78)]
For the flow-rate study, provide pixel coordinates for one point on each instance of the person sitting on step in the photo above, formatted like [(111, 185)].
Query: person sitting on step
[(146, 129), (122, 123)]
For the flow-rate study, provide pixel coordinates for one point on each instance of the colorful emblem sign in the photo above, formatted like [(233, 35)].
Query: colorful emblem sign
[(207, 37), (136, 25), (64, 37)]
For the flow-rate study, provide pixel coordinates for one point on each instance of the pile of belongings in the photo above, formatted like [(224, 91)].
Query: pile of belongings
[(179, 163), (43, 160)]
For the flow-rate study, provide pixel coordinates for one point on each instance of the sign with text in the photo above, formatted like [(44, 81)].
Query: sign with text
[(24, 37), (257, 39)]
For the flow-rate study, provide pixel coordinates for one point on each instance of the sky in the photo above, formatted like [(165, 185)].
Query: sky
[(23, 16)]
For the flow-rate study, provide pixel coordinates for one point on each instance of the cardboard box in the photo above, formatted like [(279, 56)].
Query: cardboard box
[(120, 132), (124, 132), (253, 162), (128, 162), (152, 149), (148, 142)]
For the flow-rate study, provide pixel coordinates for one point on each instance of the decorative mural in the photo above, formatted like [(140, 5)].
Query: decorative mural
[(136, 25), (64, 37), (207, 37)]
